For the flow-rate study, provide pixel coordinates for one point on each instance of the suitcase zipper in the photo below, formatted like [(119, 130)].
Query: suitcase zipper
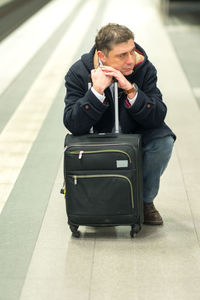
[(99, 151), (76, 177), (93, 145)]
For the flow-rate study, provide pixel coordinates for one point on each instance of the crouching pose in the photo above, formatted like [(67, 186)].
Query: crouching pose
[(141, 109)]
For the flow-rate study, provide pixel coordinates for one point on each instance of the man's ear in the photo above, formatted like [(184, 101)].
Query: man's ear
[(101, 55)]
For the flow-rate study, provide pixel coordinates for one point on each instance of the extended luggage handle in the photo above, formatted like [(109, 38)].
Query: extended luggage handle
[(116, 106)]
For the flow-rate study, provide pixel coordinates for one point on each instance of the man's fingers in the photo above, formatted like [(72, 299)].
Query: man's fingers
[(109, 70), (110, 74)]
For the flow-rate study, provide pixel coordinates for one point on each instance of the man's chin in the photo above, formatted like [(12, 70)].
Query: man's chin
[(127, 72)]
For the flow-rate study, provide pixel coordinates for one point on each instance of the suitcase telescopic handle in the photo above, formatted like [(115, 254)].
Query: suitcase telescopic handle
[(116, 106)]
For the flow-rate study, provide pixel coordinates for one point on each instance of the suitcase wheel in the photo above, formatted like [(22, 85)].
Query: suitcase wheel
[(134, 230), (75, 232)]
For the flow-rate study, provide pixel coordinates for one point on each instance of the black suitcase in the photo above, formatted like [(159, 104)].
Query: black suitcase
[(103, 179)]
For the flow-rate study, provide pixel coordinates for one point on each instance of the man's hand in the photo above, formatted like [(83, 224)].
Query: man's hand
[(102, 77), (100, 80), (123, 83)]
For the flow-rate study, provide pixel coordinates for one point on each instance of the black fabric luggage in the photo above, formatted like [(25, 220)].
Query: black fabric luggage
[(103, 179)]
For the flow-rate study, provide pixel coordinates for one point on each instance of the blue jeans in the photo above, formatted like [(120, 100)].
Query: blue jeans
[(156, 155)]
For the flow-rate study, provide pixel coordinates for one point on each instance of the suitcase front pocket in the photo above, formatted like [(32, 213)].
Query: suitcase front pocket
[(102, 159), (99, 194), (82, 152)]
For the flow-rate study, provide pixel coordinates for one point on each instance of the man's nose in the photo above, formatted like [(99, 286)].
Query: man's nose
[(130, 59)]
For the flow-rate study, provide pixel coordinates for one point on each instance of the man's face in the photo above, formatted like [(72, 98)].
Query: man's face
[(121, 57)]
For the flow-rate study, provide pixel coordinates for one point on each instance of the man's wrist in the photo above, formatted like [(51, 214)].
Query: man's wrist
[(131, 95), (132, 91), (132, 100), (101, 97), (98, 90)]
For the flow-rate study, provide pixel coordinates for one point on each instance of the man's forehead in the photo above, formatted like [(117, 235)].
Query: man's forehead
[(123, 47)]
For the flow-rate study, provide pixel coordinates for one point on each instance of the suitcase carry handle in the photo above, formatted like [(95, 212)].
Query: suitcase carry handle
[(103, 135), (115, 105)]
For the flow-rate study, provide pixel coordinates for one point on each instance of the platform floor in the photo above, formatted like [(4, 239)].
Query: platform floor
[(38, 257)]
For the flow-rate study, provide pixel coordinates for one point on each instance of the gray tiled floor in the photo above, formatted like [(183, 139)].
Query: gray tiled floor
[(183, 25), (38, 257)]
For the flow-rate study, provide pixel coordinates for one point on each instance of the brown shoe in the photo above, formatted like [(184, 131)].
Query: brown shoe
[(151, 215)]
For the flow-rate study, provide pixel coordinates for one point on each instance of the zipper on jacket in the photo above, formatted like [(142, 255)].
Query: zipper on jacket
[(76, 177), (99, 151)]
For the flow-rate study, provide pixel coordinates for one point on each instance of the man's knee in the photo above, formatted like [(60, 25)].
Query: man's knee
[(157, 153), (160, 146)]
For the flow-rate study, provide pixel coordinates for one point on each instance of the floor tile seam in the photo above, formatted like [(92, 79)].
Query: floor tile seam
[(54, 39), (188, 198), (188, 79), (92, 270), (181, 64), (195, 96)]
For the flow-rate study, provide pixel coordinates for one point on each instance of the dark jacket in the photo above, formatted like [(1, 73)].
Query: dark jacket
[(83, 110)]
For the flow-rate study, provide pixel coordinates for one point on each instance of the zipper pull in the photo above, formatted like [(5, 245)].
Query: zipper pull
[(75, 180), (62, 191), (80, 154)]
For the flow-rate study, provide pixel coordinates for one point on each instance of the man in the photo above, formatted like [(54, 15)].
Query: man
[(141, 109)]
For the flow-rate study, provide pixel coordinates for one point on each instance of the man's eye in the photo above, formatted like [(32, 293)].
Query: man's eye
[(122, 55)]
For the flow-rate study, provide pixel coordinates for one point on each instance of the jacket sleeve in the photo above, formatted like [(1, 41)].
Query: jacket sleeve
[(82, 108), (149, 110)]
